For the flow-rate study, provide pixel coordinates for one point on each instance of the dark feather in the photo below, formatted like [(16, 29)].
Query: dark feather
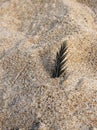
[(60, 62)]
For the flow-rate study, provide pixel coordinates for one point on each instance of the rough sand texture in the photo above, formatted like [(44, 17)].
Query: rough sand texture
[(31, 32)]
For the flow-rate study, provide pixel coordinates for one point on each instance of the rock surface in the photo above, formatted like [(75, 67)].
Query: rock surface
[(31, 32)]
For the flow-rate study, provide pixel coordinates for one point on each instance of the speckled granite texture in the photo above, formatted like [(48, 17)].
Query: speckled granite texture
[(31, 32)]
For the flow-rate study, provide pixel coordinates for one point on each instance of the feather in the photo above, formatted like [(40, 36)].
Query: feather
[(60, 62)]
